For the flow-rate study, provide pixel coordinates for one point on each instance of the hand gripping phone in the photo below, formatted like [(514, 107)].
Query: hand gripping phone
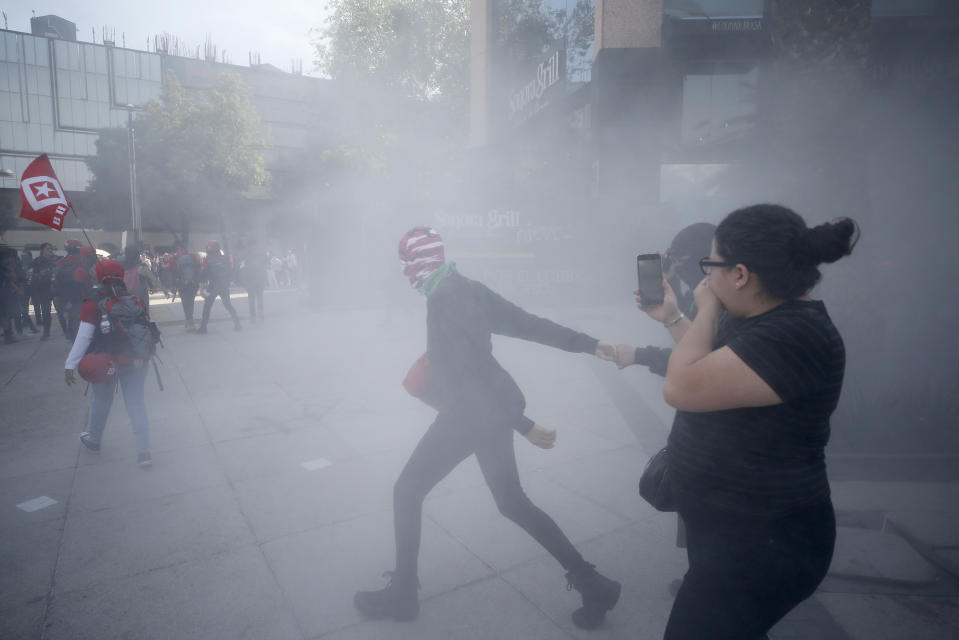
[(649, 271)]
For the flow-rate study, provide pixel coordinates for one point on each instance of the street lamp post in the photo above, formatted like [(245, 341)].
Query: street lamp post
[(131, 148)]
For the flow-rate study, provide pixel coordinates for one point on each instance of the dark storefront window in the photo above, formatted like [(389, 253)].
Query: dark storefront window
[(903, 8), (718, 108), (712, 9)]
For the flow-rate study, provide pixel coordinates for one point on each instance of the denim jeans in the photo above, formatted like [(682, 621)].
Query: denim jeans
[(131, 380)]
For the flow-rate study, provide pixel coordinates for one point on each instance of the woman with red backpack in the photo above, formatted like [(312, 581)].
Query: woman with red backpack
[(108, 350)]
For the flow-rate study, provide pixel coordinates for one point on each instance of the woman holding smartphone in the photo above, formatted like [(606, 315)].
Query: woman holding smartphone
[(754, 378)]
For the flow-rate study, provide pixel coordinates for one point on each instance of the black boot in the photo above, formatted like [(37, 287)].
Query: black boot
[(599, 593), (397, 601)]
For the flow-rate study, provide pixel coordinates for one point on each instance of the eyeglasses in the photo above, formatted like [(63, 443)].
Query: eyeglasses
[(706, 265)]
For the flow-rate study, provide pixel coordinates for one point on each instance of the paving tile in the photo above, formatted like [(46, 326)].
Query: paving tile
[(109, 484), (223, 595), (879, 617), (113, 543), (320, 581), (874, 555)]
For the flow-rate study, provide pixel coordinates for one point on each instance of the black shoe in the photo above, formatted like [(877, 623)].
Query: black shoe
[(600, 594), (398, 601), (86, 439), (144, 460), (201, 330)]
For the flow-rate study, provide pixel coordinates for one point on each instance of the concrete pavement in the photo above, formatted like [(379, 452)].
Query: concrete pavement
[(269, 502)]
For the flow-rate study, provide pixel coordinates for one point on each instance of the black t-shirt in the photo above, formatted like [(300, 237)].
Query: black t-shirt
[(461, 316), (767, 461)]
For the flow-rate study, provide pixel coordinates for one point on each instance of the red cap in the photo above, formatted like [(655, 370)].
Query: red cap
[(97, 367), (212, 246), (85, 251), (71, 243), (108, 269)]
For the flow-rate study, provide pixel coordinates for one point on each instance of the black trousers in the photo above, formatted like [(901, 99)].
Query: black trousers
[(254, 293), (41, 308), (208, 306), (187, 299), (448, 442), (745, 573)]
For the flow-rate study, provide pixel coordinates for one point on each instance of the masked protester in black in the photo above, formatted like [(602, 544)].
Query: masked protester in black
[(479, 407), (754, 378), (217, 273), (41, 283)]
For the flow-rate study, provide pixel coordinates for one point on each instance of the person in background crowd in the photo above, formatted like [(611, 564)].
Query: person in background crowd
[(41, 287), (754, 378), (131, 374), (25, 274), (681, 270), (69, 285), (273, 266), (292, 267), (216, 273), (186, 268), (166, 271), (480, 406), (138, 276), (251, 274), (22, 283), (9, 307)]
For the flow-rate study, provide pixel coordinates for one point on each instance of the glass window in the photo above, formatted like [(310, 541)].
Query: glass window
[(34, 141), (11, 47), (19, 136), (530, 30), (718, 108), (46, 136), (894, 8), (703, 9), (11, 72), (5, 112)]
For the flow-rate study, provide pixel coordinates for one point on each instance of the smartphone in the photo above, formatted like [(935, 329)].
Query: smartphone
[(649, 271)]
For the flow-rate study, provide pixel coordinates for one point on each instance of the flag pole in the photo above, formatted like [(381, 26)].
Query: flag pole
[(73, 208)]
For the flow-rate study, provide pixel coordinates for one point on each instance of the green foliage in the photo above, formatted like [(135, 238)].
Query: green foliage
[(190, 154), (822, 34), (418, 47)]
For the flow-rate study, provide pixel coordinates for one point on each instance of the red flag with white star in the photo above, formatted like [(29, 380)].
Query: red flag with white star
[(43, 198)]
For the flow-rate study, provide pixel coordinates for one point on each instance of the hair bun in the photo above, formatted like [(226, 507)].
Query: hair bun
[(831, 241)]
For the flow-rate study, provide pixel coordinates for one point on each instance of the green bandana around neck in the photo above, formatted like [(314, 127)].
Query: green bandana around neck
[(436, 277)]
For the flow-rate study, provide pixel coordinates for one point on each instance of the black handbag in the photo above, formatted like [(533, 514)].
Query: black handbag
[(654, 484)]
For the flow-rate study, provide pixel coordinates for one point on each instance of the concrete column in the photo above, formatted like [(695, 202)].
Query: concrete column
[(480, 30), (628, 24)]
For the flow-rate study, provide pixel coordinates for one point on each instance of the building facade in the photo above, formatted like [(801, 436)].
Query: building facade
[(57, 93), (693, 108)]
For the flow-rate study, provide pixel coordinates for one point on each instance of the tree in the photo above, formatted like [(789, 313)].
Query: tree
[(418, 47), (193, 157)]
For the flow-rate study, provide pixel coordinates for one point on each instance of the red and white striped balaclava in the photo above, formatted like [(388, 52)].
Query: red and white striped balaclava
[(421, 253)]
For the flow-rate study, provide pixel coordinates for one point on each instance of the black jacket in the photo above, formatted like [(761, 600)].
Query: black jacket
[(461, 317)]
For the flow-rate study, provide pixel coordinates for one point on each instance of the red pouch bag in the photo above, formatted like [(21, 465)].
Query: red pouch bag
[(418, 382)]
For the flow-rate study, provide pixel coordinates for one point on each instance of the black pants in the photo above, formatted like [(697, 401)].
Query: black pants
[(208, 306), (68, 314), (448, 442), (187, 299), (254, 293), (745, 574), (41, 308)]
